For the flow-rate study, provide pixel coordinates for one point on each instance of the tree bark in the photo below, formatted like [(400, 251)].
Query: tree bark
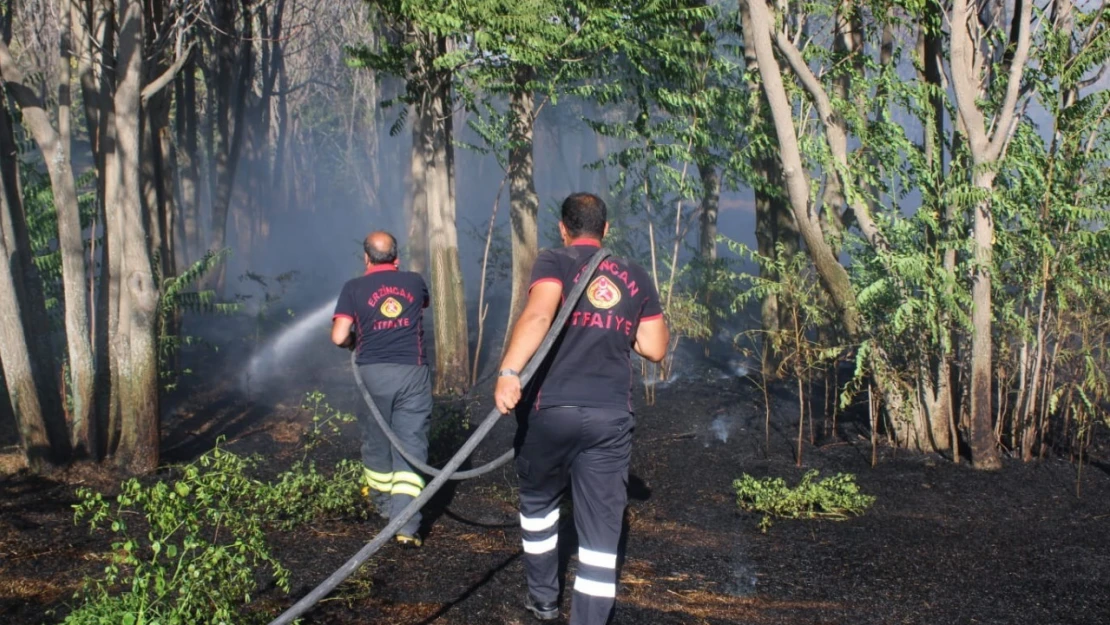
[(448, 296), (138, 366), (710, 207), (832, 274), (774, 224), (942, 414), (231, 89), (15, 354), (186, 121), (54, 146), (524, 204), (27, 283), (418, 194), (986, 146)]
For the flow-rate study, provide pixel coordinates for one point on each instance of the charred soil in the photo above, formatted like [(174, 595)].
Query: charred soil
[(942, 543)]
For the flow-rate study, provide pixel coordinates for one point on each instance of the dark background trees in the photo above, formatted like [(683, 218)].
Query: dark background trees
[(938, 166)]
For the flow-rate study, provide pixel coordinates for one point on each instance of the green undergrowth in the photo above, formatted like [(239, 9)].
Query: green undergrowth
[(836, 498), (193, 547)]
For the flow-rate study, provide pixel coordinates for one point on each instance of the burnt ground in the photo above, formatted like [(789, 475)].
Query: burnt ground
[(942, 544)]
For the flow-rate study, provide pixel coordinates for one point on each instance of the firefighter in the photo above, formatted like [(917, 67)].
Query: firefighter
[(381, 315), (579, 421)]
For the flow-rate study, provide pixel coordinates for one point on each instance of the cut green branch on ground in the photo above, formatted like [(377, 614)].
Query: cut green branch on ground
[(837, 497)]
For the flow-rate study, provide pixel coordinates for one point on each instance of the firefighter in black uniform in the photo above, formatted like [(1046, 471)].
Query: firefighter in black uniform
[(381, 314), (579, 425)]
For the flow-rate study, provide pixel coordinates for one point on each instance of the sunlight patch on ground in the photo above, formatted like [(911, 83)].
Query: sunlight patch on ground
[(11, 460), (644, 524), (642, 588), (27, 589)]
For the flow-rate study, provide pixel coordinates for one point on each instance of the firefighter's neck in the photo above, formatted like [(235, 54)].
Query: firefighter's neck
[(583, 239)]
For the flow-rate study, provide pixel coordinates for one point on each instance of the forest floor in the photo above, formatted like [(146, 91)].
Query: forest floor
[(942, 543)]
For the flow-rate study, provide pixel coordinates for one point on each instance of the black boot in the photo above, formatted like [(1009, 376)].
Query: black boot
[(542, 611)]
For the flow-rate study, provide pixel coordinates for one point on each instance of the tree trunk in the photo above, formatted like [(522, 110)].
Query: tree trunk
[(832, 274), (984, 451), (55, 151), (524, 204), (942, 414), (448, 296), (15, 355), (27, 283), (418, 195), (774, 225), (82, 375), (186, 120), (986, 144), (710, 206), (138, 366), (231, 90)]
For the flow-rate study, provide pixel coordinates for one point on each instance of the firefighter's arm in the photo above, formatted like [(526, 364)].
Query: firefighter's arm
[(652, 338), (528, 333), (341, 333)]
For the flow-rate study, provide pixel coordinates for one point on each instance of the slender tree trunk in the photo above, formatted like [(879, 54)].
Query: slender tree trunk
[(88, 23), (15, 354), (27, 283), (833, 275), (448, 296), (232, 89), (942, 414), (710, 207), (107, 316), (774, 225), (188, 155), (524, 204), (418, 234), (984, 451), (138, 374), (74, 270), (987, 145), (55, 150)]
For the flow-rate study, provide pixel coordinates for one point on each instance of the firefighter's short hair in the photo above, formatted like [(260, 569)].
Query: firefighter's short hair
[(584, 214)]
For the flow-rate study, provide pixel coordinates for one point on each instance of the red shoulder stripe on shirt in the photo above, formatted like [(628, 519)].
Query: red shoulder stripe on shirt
[(542, 280), (342, 316), (651, 318)]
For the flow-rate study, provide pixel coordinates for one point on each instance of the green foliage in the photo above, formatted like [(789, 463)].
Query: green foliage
[(177, 297), (190, 547), (185, 551), (325, 423), (42, 227), (836, 498), (304, 493)]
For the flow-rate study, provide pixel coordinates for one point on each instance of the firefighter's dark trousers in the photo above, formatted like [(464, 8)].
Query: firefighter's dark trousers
[(403, 394), (590, 447)]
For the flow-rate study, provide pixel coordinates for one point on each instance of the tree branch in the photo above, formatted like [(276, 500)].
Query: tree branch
[(34, 111), (1013, 86), (836, 134), (167, 76), (965, 75)]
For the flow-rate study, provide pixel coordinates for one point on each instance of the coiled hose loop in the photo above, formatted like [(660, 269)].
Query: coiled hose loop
[(448, 470)]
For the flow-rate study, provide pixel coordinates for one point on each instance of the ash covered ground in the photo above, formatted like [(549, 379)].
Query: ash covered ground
[(942, 543)]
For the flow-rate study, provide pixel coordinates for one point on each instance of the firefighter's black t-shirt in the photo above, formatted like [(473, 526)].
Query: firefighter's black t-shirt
[(592, 365), (387, 308)]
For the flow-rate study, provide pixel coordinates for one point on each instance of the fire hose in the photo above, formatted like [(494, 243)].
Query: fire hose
[(448, 472)]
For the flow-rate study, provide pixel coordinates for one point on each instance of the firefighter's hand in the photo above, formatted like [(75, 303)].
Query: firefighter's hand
[(507, 393), (350, 343)]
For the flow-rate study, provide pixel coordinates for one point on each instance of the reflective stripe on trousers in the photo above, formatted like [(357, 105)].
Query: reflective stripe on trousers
[(589, 448)]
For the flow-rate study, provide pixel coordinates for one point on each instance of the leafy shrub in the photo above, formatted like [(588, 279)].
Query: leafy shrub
[(191, 548), (834, 497), (186, 550), (303, 493)]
